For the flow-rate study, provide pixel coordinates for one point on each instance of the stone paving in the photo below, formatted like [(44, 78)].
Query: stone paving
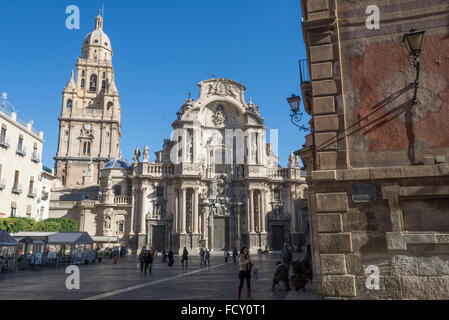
[(106, 281)]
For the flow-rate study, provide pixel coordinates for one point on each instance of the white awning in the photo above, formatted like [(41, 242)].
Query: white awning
[(105, 239)]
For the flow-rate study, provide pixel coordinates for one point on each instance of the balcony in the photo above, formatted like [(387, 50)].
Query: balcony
[(4, 142), (21, 151), (44, 196), (306, 85), (2, 183), (35, 157), (32, 193), (17, 189), (123, 199)]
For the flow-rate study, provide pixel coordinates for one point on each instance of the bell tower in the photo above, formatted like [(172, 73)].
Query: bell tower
[(89, 124)]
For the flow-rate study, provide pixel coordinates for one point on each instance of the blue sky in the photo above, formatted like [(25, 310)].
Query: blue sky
[(162, 49)]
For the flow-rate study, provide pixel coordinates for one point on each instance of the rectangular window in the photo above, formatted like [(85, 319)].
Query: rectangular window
[(13, 209), (29, 211), (20, 144), (31, 185), (160, 192), (16, 179), (35, 150), (3, 134), (277, 194)]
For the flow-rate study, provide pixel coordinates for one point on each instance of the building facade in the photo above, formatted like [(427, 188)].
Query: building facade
[(216, 184), (377, 163), (89, 124), (47, 182), (20, 164)]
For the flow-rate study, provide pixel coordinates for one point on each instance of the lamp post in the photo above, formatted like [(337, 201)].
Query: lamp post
[(296, 116), (413, 42)]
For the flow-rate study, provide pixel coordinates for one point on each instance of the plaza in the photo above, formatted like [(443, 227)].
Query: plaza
[(123, 281)]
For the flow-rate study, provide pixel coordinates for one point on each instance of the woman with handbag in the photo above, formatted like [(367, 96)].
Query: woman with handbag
[(246, 267)]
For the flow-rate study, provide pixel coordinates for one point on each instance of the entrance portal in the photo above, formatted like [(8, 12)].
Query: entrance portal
[(221, 234), (159, 238), (277, 237)]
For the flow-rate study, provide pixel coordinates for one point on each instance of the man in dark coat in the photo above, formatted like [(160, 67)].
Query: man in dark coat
[(185, 257), (281, 274), (286, 256), (171, 259)]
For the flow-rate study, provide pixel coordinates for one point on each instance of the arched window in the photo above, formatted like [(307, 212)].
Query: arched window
[(110, 104), (83, 83), (103, 84), (69, 105), (93, 83)]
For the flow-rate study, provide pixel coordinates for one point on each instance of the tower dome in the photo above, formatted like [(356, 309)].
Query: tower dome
[(97, 45)]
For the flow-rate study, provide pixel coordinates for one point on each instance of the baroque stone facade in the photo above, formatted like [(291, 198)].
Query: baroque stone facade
[(201, 192), (377, 164), (89, 124)]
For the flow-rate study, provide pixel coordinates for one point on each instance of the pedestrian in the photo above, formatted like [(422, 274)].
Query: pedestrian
[(185, 257), (207, 258), (246, 267), (234, 254), (281, 274), (226, 255), (164, 256), (149, 262), (202, 253), (142, 259), (171, 259), (286, 256)]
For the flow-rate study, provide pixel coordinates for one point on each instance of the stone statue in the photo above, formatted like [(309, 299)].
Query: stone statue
[(137, 155), (146, 153), (297, 163), (291, 160)]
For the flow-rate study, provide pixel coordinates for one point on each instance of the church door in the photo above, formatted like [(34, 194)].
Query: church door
[(159, 238), (278, 237), (221, 234)]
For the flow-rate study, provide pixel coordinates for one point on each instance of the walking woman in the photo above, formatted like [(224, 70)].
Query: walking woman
[(150, 261), (246, 267), (142, 259), (185, 257)]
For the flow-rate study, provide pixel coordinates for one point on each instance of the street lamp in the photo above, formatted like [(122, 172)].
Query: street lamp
[(296, 116), (413, 42)]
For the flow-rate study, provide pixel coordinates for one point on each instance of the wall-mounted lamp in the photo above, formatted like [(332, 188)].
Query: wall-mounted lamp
[(296, 116), (413, 42)]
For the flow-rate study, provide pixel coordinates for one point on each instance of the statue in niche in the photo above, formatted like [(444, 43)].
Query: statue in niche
[(189, 211), (107, 220), (146, 154), (219, 117), (137, 155), (254, 149)]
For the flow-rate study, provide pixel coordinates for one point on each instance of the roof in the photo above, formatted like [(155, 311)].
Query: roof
[(6, 239), (57, 237), (118, 164), (70, 238)]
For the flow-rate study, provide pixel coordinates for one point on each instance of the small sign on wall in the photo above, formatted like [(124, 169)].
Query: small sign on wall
[(364, 193)]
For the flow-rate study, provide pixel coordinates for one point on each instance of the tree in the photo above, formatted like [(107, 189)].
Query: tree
[(14, 225)]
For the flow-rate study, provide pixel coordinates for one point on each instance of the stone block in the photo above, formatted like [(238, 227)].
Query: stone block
[(326, 123), (319, 39), (415, 287), (322, 71), (324, 175), (321, 53), (339, 286), (396, 241), (333, 264), (317, 5), (335, 242), (332, 202), (323, 105), (324, 88), (318, 15), (330, 222), (326, 141), (327, 160)]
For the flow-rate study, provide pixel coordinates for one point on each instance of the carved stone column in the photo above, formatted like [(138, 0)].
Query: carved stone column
[(263, 211), (183, 210), (133, 211), (195, 211), (293, 226), (251, 210), (143, 210), (176, 215)]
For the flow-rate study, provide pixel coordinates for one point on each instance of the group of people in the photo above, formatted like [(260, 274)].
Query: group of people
[(146, 260)]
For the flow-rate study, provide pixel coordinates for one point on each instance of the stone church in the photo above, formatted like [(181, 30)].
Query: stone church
[(215, 184)]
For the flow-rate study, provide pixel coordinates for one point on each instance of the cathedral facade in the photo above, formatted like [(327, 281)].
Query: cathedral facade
[(215, 184)]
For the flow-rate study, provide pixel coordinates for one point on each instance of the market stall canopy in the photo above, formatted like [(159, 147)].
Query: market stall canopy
[(105, 239), (70, 238), (6, 240), (33, 236)]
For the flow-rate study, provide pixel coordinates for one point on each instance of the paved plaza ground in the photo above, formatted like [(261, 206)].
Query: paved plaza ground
[(123, 281)]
